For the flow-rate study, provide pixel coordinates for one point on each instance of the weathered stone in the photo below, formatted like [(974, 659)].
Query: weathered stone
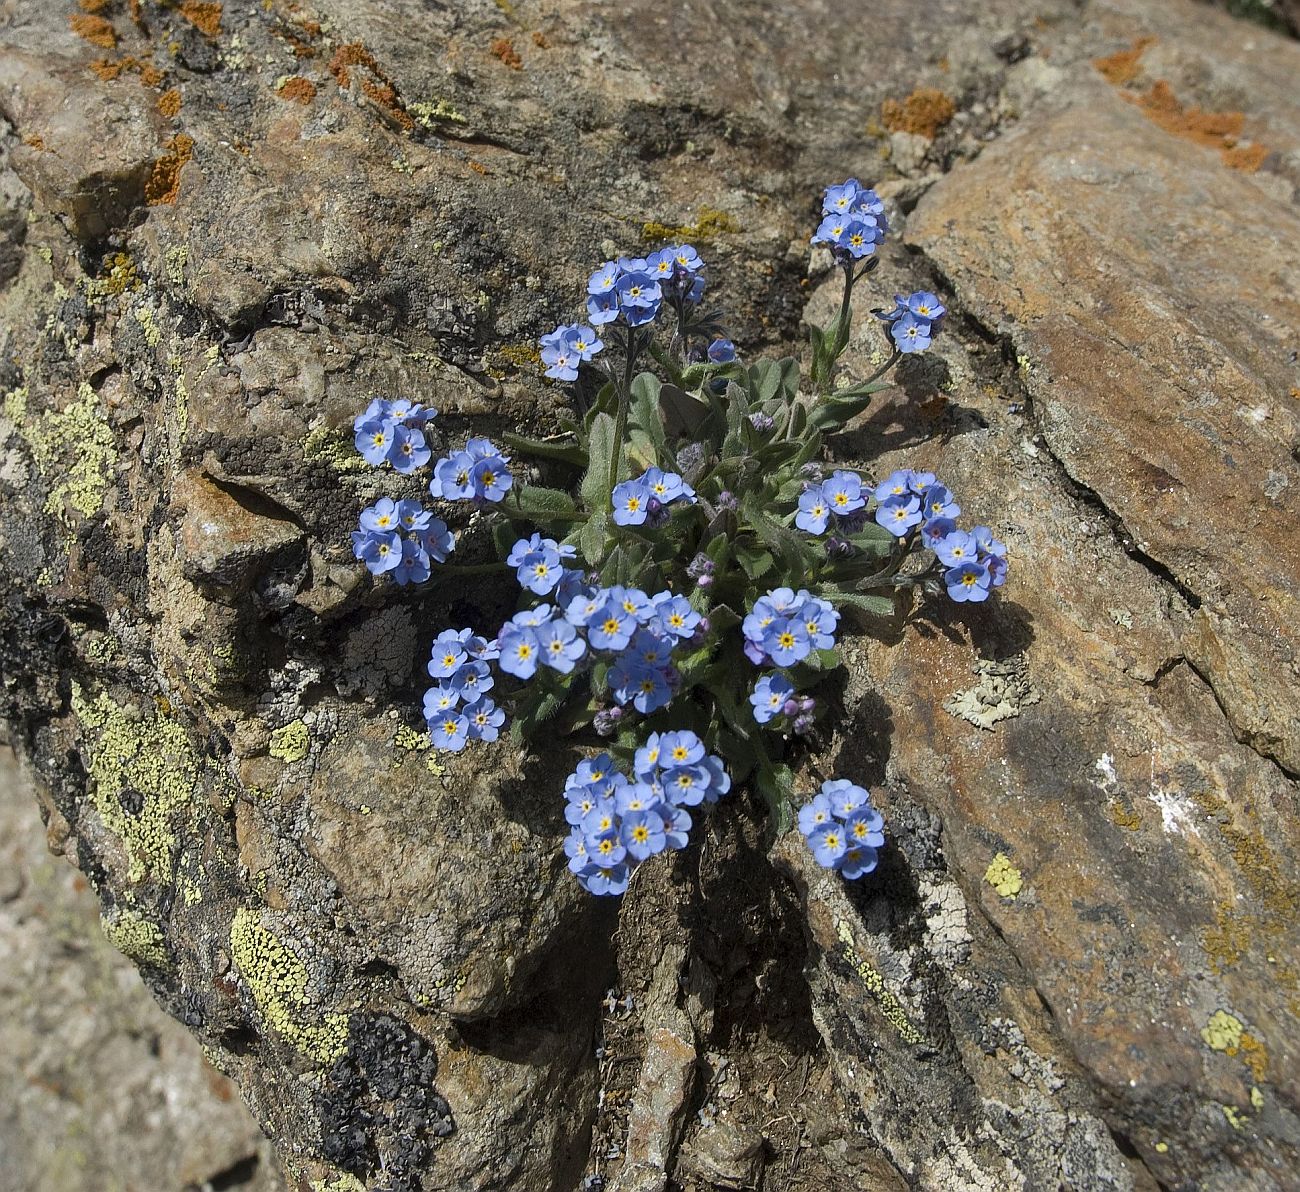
[(724, 1154), (1085, 910)]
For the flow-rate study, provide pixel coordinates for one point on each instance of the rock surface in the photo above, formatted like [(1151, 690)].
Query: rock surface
[(227, 226), (101, 1090)]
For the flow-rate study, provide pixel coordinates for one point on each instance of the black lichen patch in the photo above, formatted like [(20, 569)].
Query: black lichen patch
[(379, 1110)]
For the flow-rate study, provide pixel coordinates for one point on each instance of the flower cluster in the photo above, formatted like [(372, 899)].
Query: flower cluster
[(840, 497), (617, 822), (403, 539), (457, 708), (842, 828), (974, 561), (393, 432), (785, 626), (633, 288), (914, 320), (566, 347), (478, 473), (642, 499), (853, 221)]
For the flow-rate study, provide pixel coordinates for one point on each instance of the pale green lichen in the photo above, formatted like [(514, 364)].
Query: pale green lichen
[(76, 444), (407, 738), (135, 937), (1256, 1098), (334, 448), (889, 1005), (1223, 1032), (429, 114), (149, 756), (176, 259), (277, 979), (345, 1183), (15, 405), (144, 316), (291, 743), (1235, 1119), (1004, 877)]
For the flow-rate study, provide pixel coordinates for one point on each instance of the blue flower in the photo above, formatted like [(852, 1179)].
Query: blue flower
[(910, 333), (857, 860), (642, 834), (937, 501), (598, 880), (899, 514), (677, 825), (820, 620), (846, 797), (491, 478), (408, 450), (448, 654), (688, 260), (631, 503), (532, 618), (604, 279), (382, 517), (451, 477), (662, 265), (722, 351), (639, 296), (560, 645), (828, 844), (681, 748), (414, 565), (472, 679), (373, 439), (925, 305), (815, 814), (666, 487), (843, 492), (686, 785), (611, 627), (575, 848), (769, 696), (677, 618), (559, 357), (840, 200), (786, 641), (583, 341), (436, 540), (696, 292), (650, 648), (645, 686), (936, 530), (719, 779), (520, 650), (865, 827), (379, 552), (411, 515), (539, 571), (449, 732), (898, 484), (440, 698), (860, 237), (485, 719), (583, 606), (970, 581), (813, 511), (646, 761), (602, 308), (957, 548)]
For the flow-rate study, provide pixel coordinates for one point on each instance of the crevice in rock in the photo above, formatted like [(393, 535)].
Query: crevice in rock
[(242, 1172)]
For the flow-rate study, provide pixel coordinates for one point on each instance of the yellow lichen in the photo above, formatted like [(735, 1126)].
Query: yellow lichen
[(277, 978), (144, 316), (408, 738), (143, 770), (1256, 1098), (890, 1006), (1004, 877), (117, 276), (429, 114), (1222, 1032), (291, 743), (333, 448), (135, 937), (345, 1183), (76, 444), (1235, 1120), (710, 224)]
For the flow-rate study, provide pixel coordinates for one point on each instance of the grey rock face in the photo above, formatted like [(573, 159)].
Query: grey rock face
[(230, 225)]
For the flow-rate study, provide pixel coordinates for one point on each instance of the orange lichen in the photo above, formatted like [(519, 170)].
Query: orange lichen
[(1254, 1055), (379, 89), (164, 181), (478, 167), (94, 7), (169, 102), (540, 40), (1122, 68), (204, 15), (1213, 130), (924, 112), (34, 141), (109, 69), (296, 89), (93, 29), (504, 49)]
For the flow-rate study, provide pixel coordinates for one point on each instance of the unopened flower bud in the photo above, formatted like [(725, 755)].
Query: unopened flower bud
[(790, 707)]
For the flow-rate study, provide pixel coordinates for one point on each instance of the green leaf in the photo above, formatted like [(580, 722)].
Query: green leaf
[(683, 415), (880, 606), (596, 493), (754, 560), (569, 453), (503, 537), (644, 411), (592, 539), (539, 501), (832, 413)]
